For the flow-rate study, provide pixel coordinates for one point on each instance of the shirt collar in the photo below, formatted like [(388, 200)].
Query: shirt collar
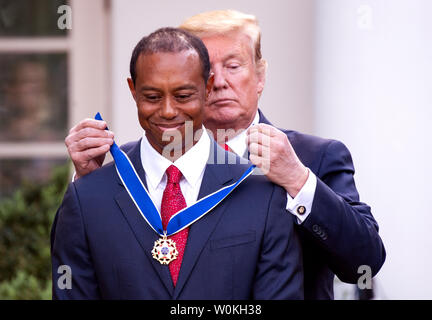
[(238, 143), (191, 164)]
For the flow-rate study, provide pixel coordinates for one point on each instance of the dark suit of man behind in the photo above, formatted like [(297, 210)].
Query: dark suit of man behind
[(245, 248), (338, 220)]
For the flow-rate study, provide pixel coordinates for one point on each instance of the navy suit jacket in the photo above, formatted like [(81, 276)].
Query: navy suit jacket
[(245, 248), (340, 234)]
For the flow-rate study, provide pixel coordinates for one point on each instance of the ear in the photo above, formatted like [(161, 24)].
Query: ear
[(132, 88), (261, 73), (209, 85)]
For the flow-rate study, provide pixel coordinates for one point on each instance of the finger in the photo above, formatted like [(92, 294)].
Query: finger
[(263, 128), (255, 159), (258, 137), (259, 150), (94, 133), (260, 162), (89, 123), (89, 143), (93, 153), (88, 133), (253, 129)]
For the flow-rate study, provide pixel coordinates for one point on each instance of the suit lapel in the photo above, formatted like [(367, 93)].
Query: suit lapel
[(263, 119), (144, 234), (215, 177)]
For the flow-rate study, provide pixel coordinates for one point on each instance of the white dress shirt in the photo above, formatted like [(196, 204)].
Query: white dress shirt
[(238, 144), (192, 166), (305, 196)]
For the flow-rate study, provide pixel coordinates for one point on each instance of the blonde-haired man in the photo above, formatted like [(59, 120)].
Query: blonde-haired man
[(220, 22), (338, 233)]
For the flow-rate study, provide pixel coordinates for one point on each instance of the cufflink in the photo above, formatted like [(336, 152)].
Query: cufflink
[(301, 210)]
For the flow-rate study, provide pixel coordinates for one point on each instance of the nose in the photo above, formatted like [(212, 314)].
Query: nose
[(220, 81), (168, 109)]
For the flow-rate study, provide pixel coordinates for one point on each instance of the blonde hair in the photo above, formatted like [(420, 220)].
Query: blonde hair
[(218, 22)]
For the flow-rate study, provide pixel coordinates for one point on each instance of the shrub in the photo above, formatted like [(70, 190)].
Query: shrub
[(25, 225)]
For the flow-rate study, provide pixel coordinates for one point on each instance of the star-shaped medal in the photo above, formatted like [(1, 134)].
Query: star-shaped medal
[(164, 250)]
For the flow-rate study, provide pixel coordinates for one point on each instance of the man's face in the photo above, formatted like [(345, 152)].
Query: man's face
[(237, 85), (169, 90)]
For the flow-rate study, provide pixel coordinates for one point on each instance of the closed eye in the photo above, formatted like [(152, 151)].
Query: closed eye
[(183, 96), (152, 97)]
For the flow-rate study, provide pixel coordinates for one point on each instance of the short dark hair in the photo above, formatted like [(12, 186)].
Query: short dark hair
[(171, 40)]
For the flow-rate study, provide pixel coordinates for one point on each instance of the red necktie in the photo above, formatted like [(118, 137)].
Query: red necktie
[(227, 148), (172, 202)]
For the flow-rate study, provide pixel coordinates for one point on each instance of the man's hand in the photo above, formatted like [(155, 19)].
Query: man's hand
[(87, 144), (271, 151)]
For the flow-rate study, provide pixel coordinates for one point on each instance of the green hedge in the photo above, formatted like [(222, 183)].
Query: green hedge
[(25, 225)]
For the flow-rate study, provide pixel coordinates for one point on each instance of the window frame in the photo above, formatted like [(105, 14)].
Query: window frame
[(88, 55)]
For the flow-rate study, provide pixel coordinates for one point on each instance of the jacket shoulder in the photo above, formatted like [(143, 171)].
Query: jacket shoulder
[(99, 179), (311, 149), (129, 146), (298, 139)]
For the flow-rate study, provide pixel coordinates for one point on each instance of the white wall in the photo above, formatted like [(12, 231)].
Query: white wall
[(374, 92), (287, 45)]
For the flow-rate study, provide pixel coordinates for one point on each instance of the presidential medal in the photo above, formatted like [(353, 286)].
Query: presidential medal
[(164, 250)]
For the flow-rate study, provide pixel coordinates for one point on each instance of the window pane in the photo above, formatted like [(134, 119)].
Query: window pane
[(15, 172), (30, 18), (33, 97)]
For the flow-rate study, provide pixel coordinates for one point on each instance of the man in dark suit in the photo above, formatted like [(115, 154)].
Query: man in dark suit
[(244, 248), (338, 232)]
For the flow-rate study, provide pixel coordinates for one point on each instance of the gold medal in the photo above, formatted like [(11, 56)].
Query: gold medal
[(164, 250)]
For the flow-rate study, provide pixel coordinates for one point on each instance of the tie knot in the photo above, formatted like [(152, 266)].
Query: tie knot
[(173, 174)]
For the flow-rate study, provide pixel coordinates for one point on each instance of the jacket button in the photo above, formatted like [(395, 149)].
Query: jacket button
[(301, 210), (316, 228)]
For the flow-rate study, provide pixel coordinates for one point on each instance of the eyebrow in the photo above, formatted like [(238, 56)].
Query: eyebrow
[(231, 56), (184, 87), (148, 88)]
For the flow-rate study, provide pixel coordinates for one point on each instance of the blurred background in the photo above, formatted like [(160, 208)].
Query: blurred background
[(359, 71)]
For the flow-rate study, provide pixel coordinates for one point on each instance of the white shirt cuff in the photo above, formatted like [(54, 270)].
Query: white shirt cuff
[(301, 205)]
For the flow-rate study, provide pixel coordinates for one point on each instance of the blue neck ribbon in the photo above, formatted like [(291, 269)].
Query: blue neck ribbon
[(141, 198)]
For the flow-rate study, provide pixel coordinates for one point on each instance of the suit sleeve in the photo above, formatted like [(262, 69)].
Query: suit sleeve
[(339, 223), (69, 248), (280, 267)]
